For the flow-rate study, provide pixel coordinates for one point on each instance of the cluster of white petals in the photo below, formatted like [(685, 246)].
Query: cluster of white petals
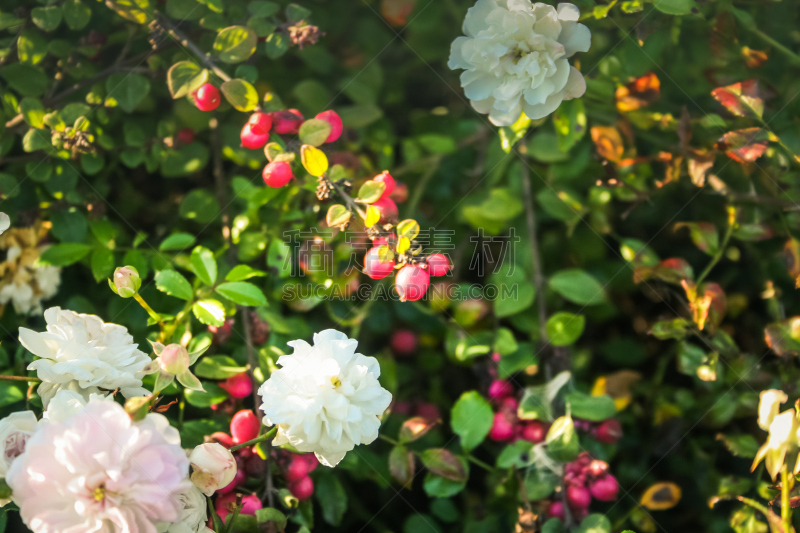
[(213, 467), (84, 354), (192, 517), (515, 58), (15, 431), (326, 398), (99, 471)]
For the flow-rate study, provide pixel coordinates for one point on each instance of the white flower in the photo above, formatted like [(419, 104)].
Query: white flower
[(82, 353), (5, 222), (192, 518), (15, 430), (213, 467), (68, 403), (326, 399), (48, 278), (769, 406), (515, 58), (98, 471), (21, 295)]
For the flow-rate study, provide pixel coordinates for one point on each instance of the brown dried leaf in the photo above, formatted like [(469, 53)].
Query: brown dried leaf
[(608, 142), (700, 164), (638, 93)]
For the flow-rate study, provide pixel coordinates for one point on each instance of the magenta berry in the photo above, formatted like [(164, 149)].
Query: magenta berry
[(207, 98), (244, 426), (403, 342), (277, 174), (387, 179), (302, 489), (387, 209), (578, 496), (534, 432), (374, 267), (332, 118), (605, 489), (297, 469), (185, 135), (502, 428), (287, 121), (500, 389), (255, 133), (238, 386), (556, 510), (610, 431), (411, 283), (438, 264)]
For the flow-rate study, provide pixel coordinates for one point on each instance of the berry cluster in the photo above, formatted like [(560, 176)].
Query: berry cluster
[(506, 425), (609, 431), (585, 478)]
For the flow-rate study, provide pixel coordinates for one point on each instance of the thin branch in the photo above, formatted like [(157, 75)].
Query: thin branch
[(29, 379), (185, 41)]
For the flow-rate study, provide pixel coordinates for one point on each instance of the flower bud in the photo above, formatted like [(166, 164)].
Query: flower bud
[(387, 208), (500, 389), (213, 467), (207, 98), (126, 281), (502, 428), (244, 426), (374, 267), (277, 174), (174, 359), (225, 503), (534, 432), (556, 510), (238, 479)]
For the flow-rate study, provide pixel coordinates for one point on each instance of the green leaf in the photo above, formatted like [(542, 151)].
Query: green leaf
[(185, 161), (76, 14), (578, 287), (240, 94), (213, 395), (594, 408), (235, 44), (570, 123), (262, 8), (331, 497), (740, 445), (562, 441), (128, 90), (337, 216), (676, 7), (515, 292), (140, 11), (32, 111), (176, 241), (437, 486), (185, 77), (10, 394), (276, 45), (471, 419), (315, 132), (31, 47), (218, 367), (243, 272), (174, 284), (564, 328), (204, 265), (102, 263), (401, 465), (371, 191), (199, 205), (270, 514), (46, 18), (210, 312), (242, 293), (25, 79), (296, 13), (511, 135), (65, 253), (443, 463), (595, 523), (517, 455)]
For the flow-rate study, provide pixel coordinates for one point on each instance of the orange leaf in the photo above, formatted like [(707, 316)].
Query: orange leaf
[(608, 142), (753, 58), (747, 145), (661, 496), (743, 99), (638, 93)]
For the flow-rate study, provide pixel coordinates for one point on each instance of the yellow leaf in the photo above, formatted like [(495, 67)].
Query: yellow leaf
[(373, 216), (408, 228), (661, 496), (403, 244), (314, 160)]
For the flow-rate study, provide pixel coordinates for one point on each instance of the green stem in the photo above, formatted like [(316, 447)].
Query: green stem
[(421, 185), (390, 440), (786, 510), (181, 408), (155, 316), (236, 509), (29, 379), (472, 459), (720, 251), (794, 58), (252, 442)]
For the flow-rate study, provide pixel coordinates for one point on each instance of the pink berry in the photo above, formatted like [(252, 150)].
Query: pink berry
[(277, 174), (610, 431), (287, 121), (302, 489), (332, 118), (411, 283), (605, 489), (244, 426), (387, 209), (311, 461), (207, 98), (222, 438), (387, 180), (185, 135), (500, 389), (509, 405), (404, 342), (238, 386), (502, 428), (238, 479), (578, 497), (534, 432), (438, 264), (255, 133), (297, 469), (374, 267), (556, 510)]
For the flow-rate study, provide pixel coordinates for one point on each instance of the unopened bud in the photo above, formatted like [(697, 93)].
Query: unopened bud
[(126, 281), (174, 359)]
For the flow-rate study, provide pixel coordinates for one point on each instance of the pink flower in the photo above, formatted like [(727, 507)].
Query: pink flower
[(213, 467), (100, 471)]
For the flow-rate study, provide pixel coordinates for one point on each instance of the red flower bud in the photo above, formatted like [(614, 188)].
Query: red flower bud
[(185, 135), (438, 264), (222, 438), (411, 283), (332, 118), (255, 133), (238, 479), (556, 510), (277, 174), (534, 432), (429, 411), (244, 426), (207, 98), (374, 267)]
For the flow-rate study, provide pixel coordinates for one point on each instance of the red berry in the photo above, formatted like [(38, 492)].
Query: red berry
[(244, 426), (400, 192), (207, 98), (332, 118), (509, 405), (222, 438), (578, 497), (605, 489), (297, 469), (185, 135), (387, 209), (238, 386), (262, 123), (374, 267), (287, 121), (556, 510), (438, 264), (404, 342), (534, 432), (500, 389), (610, 431), (502, 428), (277, 174), (302, 489), (411, 283), (388, 180), (311, 461), (255, 133)]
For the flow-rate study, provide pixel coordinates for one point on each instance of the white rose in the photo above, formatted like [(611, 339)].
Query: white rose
[(15, 431), (515, 58), (213, 467)]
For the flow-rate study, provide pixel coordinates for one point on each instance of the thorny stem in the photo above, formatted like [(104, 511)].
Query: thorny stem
[(252, 442)]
